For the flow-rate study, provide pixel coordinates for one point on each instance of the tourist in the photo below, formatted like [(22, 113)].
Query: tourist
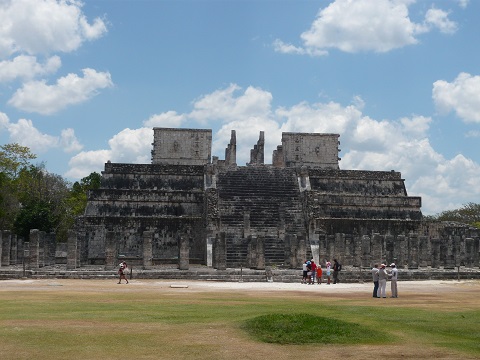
[(336, 271), (328, 264), (319, 274), (304, 272), (121, 272), (382, 281), (375, 280), (393, 280), (313, 269)]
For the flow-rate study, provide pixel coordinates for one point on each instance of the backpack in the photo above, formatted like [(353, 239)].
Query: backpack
[(339, 266)]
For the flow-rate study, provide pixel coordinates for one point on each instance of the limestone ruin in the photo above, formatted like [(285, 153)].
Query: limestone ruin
[(188, 207)]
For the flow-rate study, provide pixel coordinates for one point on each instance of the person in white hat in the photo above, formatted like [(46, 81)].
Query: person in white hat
[(393, 280), (382, 281)]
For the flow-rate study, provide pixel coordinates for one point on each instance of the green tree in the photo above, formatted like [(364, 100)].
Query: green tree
[(14, 157), (467, 214), (42, 197), (79, 192)]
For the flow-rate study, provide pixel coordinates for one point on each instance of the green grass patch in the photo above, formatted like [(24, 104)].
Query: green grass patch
[(309, 329)]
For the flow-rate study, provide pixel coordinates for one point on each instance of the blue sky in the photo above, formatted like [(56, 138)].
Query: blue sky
[(82, 83)]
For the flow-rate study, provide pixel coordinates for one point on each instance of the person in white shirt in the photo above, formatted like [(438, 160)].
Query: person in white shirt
[(394, 278), (382, 281), (375, 280)]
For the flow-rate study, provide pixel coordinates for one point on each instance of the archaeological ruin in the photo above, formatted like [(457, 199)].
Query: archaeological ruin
[(189, 208)]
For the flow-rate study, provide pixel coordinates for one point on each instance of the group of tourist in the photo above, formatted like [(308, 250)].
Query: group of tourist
[(311, 272), (380, 277)]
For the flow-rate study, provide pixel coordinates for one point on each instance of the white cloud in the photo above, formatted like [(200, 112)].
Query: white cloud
[(132, 145), (439, 19), (27, 67), (463, 3), (45, 26), (166, 119), (128, 146), (37, 96), (26, 134), (461, 96), (365, 25), (86, 162), (69, 142), (224, 106)]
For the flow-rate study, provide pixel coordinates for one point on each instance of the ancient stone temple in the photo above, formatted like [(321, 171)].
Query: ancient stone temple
[(188, 207)]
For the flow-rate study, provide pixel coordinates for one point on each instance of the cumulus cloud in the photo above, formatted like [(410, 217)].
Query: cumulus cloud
[(27, 67), (37, 96), (461, 96), (128, 146), (25, 133), (439, 19), (222, 105), (365, 25), (166, 119), (45, 26), (85, 162)]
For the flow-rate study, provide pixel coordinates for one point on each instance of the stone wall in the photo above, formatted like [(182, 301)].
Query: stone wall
[(181, 146)]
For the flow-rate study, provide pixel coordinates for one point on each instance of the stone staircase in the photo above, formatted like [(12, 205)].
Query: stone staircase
[(261, 201)]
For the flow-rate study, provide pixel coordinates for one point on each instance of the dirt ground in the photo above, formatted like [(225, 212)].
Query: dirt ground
[(447, 295)]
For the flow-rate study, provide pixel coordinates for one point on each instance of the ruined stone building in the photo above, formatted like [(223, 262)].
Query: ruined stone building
[(188, 207)]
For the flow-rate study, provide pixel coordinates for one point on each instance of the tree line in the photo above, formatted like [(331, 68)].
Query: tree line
[(33, 198)]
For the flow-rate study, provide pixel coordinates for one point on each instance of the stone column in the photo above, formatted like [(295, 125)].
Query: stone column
[(367, 258), (424, 252), (220, 256), (260, 250), (1, 246), (413, 251), (110, 251), (13, 250), (378, 251), (72, 248), (147, 249), (301, 249), (210, 241), (183, 252), (436, 251), (251, 260), (34, 250)]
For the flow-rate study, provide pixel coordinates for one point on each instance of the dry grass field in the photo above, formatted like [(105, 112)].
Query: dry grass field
[(156, 319)]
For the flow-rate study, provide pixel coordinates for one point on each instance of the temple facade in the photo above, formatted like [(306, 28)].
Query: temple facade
[(189, 207)]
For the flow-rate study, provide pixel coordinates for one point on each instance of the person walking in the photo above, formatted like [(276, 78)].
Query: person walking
[(375, 280), (121, 273), (336, 271), (393, 280), (382, 281)]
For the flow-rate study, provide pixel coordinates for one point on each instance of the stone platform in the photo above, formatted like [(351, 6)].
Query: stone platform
[(348, 275)]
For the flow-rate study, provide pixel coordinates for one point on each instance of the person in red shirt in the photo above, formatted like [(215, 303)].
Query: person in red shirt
[(314, 272), (319, 274)]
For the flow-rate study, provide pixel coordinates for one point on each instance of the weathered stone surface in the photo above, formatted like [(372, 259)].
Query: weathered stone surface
[(188, 208)]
